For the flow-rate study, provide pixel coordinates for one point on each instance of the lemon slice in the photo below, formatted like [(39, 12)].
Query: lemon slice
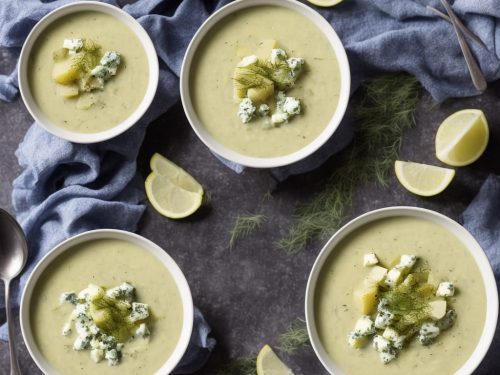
[(422, 179), (268, 363), (325, 3), (164, 167), (171, 190), (462, 137)]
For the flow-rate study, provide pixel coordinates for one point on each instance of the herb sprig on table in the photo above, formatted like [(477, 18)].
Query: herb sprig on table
[(244, 225), (385, 112)]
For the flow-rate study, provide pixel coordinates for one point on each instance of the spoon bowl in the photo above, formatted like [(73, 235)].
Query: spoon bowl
[(13, 257)]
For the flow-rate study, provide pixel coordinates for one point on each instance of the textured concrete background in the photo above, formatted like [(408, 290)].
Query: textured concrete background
[(251, 293)]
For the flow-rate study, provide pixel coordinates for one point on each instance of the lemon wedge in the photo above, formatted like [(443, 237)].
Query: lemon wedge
[(462, 137), (172, 191), (325, 3), (422, 179), (268, 363)]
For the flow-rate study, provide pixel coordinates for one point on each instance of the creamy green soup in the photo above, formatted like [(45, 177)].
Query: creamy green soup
[(447, 259), (106, 263), (121, 95), (211, 83)]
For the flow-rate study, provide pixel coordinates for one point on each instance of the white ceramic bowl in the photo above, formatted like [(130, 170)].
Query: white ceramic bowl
[(227, 153), (24, 58), (460, 232), (147, 246)]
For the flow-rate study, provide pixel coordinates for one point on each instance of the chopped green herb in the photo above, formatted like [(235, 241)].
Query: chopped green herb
[(245, 225), (294, 338)]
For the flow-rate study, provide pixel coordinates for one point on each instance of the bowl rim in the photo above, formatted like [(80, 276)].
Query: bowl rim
[(146, 245), (24, 87), (455, 228), (262, 162)]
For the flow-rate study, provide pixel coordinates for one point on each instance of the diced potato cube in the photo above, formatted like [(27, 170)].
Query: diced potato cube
[(239, 94), (101, 317), (356, 341), (265, 48), (85, 101), (375, 276), (431, 279), (67, 91), (438, 309), (259, 95), (247, 60), (445, 289), (60, 54), (64, 72), (370, 259), (395, 262), (366, 299)]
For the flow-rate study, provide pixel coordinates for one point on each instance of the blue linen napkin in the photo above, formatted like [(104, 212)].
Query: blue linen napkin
[(482, 219), (65, 187)]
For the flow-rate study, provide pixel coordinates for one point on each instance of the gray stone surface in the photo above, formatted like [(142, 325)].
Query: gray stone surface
[(252, 292)]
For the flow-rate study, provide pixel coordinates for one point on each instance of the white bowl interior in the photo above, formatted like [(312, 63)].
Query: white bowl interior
[(460, 232), (30, 103), (227, 153), (148, 246)]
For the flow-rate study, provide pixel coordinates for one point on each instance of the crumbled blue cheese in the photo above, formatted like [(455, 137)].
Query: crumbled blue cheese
[(246, 110), (263, 110), (384, 319), (408, 261), (277, 55), (387, 356), (124, 291), (295, 64), (381, 344), (445, 289), (427, 333), (447, 321), (364, 326), (140, 311), (394, 276), (107, 67), (73, 45), (142, 331), (291, 106), (89, 335), (397, 340), (286, 107), (68, 297), (370, 259)]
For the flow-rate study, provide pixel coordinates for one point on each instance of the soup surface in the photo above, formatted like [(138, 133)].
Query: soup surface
[(212, 86), (108, 263), (121, 95), (447, 259)]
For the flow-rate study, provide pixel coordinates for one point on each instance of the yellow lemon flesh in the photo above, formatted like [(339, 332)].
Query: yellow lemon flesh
[(325, 3), (422, 179), (268, 363), (462, 138), (172, 191)]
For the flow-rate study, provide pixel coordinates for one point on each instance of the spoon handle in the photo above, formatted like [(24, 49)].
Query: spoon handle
[(14, 365), (475, 72)]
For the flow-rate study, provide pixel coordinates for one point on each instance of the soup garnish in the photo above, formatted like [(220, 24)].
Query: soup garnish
[(400, 303), (80, 67), (105, 319), (260, 77)]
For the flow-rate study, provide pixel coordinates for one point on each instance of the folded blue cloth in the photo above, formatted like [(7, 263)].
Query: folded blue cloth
[(482, 219), (65, 187)]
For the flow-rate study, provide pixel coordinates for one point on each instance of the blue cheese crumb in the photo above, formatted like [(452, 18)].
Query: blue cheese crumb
[(370, 259), (427, 333), (295, 64), (113, 356), (140, 311), (277, 55), (142, 331), (124, 291), (107, 67), (263, 110), (445, 289), (286, 107), (66, 330), (73, 45), (246, 110), (68, 297)]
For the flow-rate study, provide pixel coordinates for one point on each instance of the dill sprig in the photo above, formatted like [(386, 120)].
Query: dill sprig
[(239, 366), (294, 338), (382, 116), (88, 57), (262, 74), (244, 225)]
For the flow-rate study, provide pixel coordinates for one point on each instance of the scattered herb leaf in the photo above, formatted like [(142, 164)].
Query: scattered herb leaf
[(294, 338), (386, 110), (239, 366), (245, 225)]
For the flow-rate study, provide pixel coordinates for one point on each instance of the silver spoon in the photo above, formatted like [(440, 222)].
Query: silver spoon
[(475, 72), (13, 256)]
